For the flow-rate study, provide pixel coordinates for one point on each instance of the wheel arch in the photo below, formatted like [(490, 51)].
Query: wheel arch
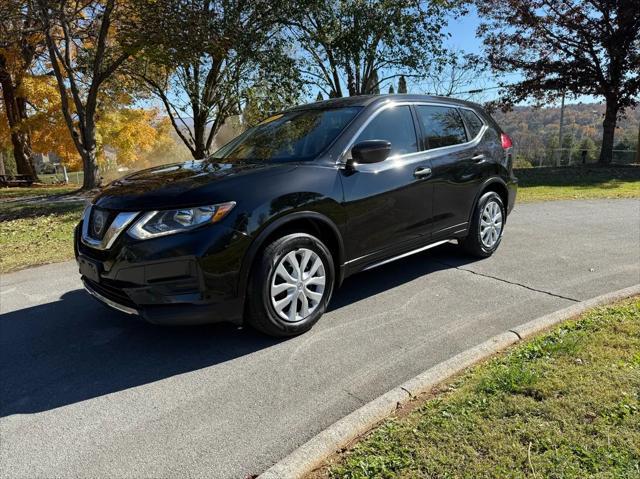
[(497, 185), (310, 222)]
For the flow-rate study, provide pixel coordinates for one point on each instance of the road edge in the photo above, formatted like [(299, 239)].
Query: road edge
[(312, 454)]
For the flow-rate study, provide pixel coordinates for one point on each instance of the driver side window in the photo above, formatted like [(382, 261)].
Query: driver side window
[(394, 125)]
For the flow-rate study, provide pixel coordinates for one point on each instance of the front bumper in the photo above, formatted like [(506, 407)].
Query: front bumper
[(94, 290), (189, 278)]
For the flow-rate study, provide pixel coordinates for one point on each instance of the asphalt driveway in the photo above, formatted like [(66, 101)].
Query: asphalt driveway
[(88, 392)]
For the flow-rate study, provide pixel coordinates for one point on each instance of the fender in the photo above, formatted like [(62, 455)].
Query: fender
[(259, 240), (482, 189)]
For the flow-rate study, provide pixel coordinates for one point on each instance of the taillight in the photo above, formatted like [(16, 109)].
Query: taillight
[(506, 141)]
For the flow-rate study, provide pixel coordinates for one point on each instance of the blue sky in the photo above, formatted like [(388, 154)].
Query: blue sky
[(463, 33), (463, 37)]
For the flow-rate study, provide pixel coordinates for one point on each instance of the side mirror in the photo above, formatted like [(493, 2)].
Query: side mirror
[(371, 151)]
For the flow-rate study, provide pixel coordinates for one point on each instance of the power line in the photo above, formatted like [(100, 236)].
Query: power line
[(480, 90)]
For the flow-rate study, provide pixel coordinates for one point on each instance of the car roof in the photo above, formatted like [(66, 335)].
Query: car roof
[(366, 100)]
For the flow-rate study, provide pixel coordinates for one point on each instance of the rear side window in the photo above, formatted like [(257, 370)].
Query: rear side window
[(474, 124), (394, 125), (441, 126)]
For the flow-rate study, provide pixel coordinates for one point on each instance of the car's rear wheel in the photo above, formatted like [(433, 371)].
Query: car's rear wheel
[(487, 226), (290, 285)]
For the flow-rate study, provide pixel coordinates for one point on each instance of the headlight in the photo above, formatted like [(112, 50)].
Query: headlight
[(162, 223)]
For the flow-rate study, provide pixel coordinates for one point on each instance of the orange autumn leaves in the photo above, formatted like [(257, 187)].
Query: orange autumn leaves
[(130, 134)]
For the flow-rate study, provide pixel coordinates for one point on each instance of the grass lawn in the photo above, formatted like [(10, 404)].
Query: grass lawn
[(44, 190), (543, 184), (36, 233), (563, 405)]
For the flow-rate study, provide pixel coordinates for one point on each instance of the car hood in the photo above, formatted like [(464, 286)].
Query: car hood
[(180, 185)]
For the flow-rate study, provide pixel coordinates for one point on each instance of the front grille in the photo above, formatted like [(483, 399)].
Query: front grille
[(111, 292)]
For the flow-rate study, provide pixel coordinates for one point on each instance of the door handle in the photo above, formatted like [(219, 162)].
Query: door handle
[(479, 158), (422, 172)]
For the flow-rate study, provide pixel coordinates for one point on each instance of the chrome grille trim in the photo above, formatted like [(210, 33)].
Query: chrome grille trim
[(117, 226)]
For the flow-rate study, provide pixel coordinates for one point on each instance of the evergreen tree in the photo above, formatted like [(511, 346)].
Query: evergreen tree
[(402, 85)]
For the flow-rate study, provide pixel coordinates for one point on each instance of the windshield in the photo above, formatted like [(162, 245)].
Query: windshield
[(294, 135)]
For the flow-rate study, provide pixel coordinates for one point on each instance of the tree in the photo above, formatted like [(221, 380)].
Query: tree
[(82, 40), (391, 90), (355, 45), (567, 148), (586, 145), (205, 59), (578, 46), (21, 48), (319, 97), (125, 131), (402, 85), (262, 99), (455, 76)]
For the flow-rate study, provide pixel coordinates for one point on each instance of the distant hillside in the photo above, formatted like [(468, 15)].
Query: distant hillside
[(535, 132)]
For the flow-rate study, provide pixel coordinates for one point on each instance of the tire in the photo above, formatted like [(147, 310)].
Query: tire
[(267, 279), (473, 243)]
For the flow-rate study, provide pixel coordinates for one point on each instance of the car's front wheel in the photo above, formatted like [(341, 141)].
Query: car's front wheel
[(290, 285), (487, 226)]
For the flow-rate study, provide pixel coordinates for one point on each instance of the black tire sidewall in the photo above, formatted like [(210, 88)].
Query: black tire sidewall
[(478, 245), (270, 258)]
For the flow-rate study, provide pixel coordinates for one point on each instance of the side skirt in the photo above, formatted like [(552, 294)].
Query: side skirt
[(404, 255)]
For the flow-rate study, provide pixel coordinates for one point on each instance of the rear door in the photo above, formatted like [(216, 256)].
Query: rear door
[(457, 167), (388, 203)]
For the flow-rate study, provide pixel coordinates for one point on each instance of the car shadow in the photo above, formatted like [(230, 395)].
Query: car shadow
[(75, 349)]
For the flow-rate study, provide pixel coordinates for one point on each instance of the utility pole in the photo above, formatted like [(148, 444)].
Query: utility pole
[(561, 129), (638, 147)]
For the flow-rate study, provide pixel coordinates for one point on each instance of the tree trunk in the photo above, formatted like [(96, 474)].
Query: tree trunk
[(199, 151), (608, 131), (22, 153), (92, 177), (16, 115)]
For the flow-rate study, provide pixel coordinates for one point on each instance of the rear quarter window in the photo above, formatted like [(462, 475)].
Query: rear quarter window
[(474, 124)]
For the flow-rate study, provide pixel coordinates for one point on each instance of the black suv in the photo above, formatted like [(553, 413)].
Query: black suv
[(265, 229)]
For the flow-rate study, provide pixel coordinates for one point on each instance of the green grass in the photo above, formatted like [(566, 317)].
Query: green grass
[(44, 190), (563, 405), (75, 177), (36, 233), (544, 184)]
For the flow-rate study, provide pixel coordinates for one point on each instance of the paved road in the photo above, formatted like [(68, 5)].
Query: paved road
[(86, 392)]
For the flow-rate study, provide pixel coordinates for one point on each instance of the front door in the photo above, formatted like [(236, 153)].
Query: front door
[(388, 204)]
